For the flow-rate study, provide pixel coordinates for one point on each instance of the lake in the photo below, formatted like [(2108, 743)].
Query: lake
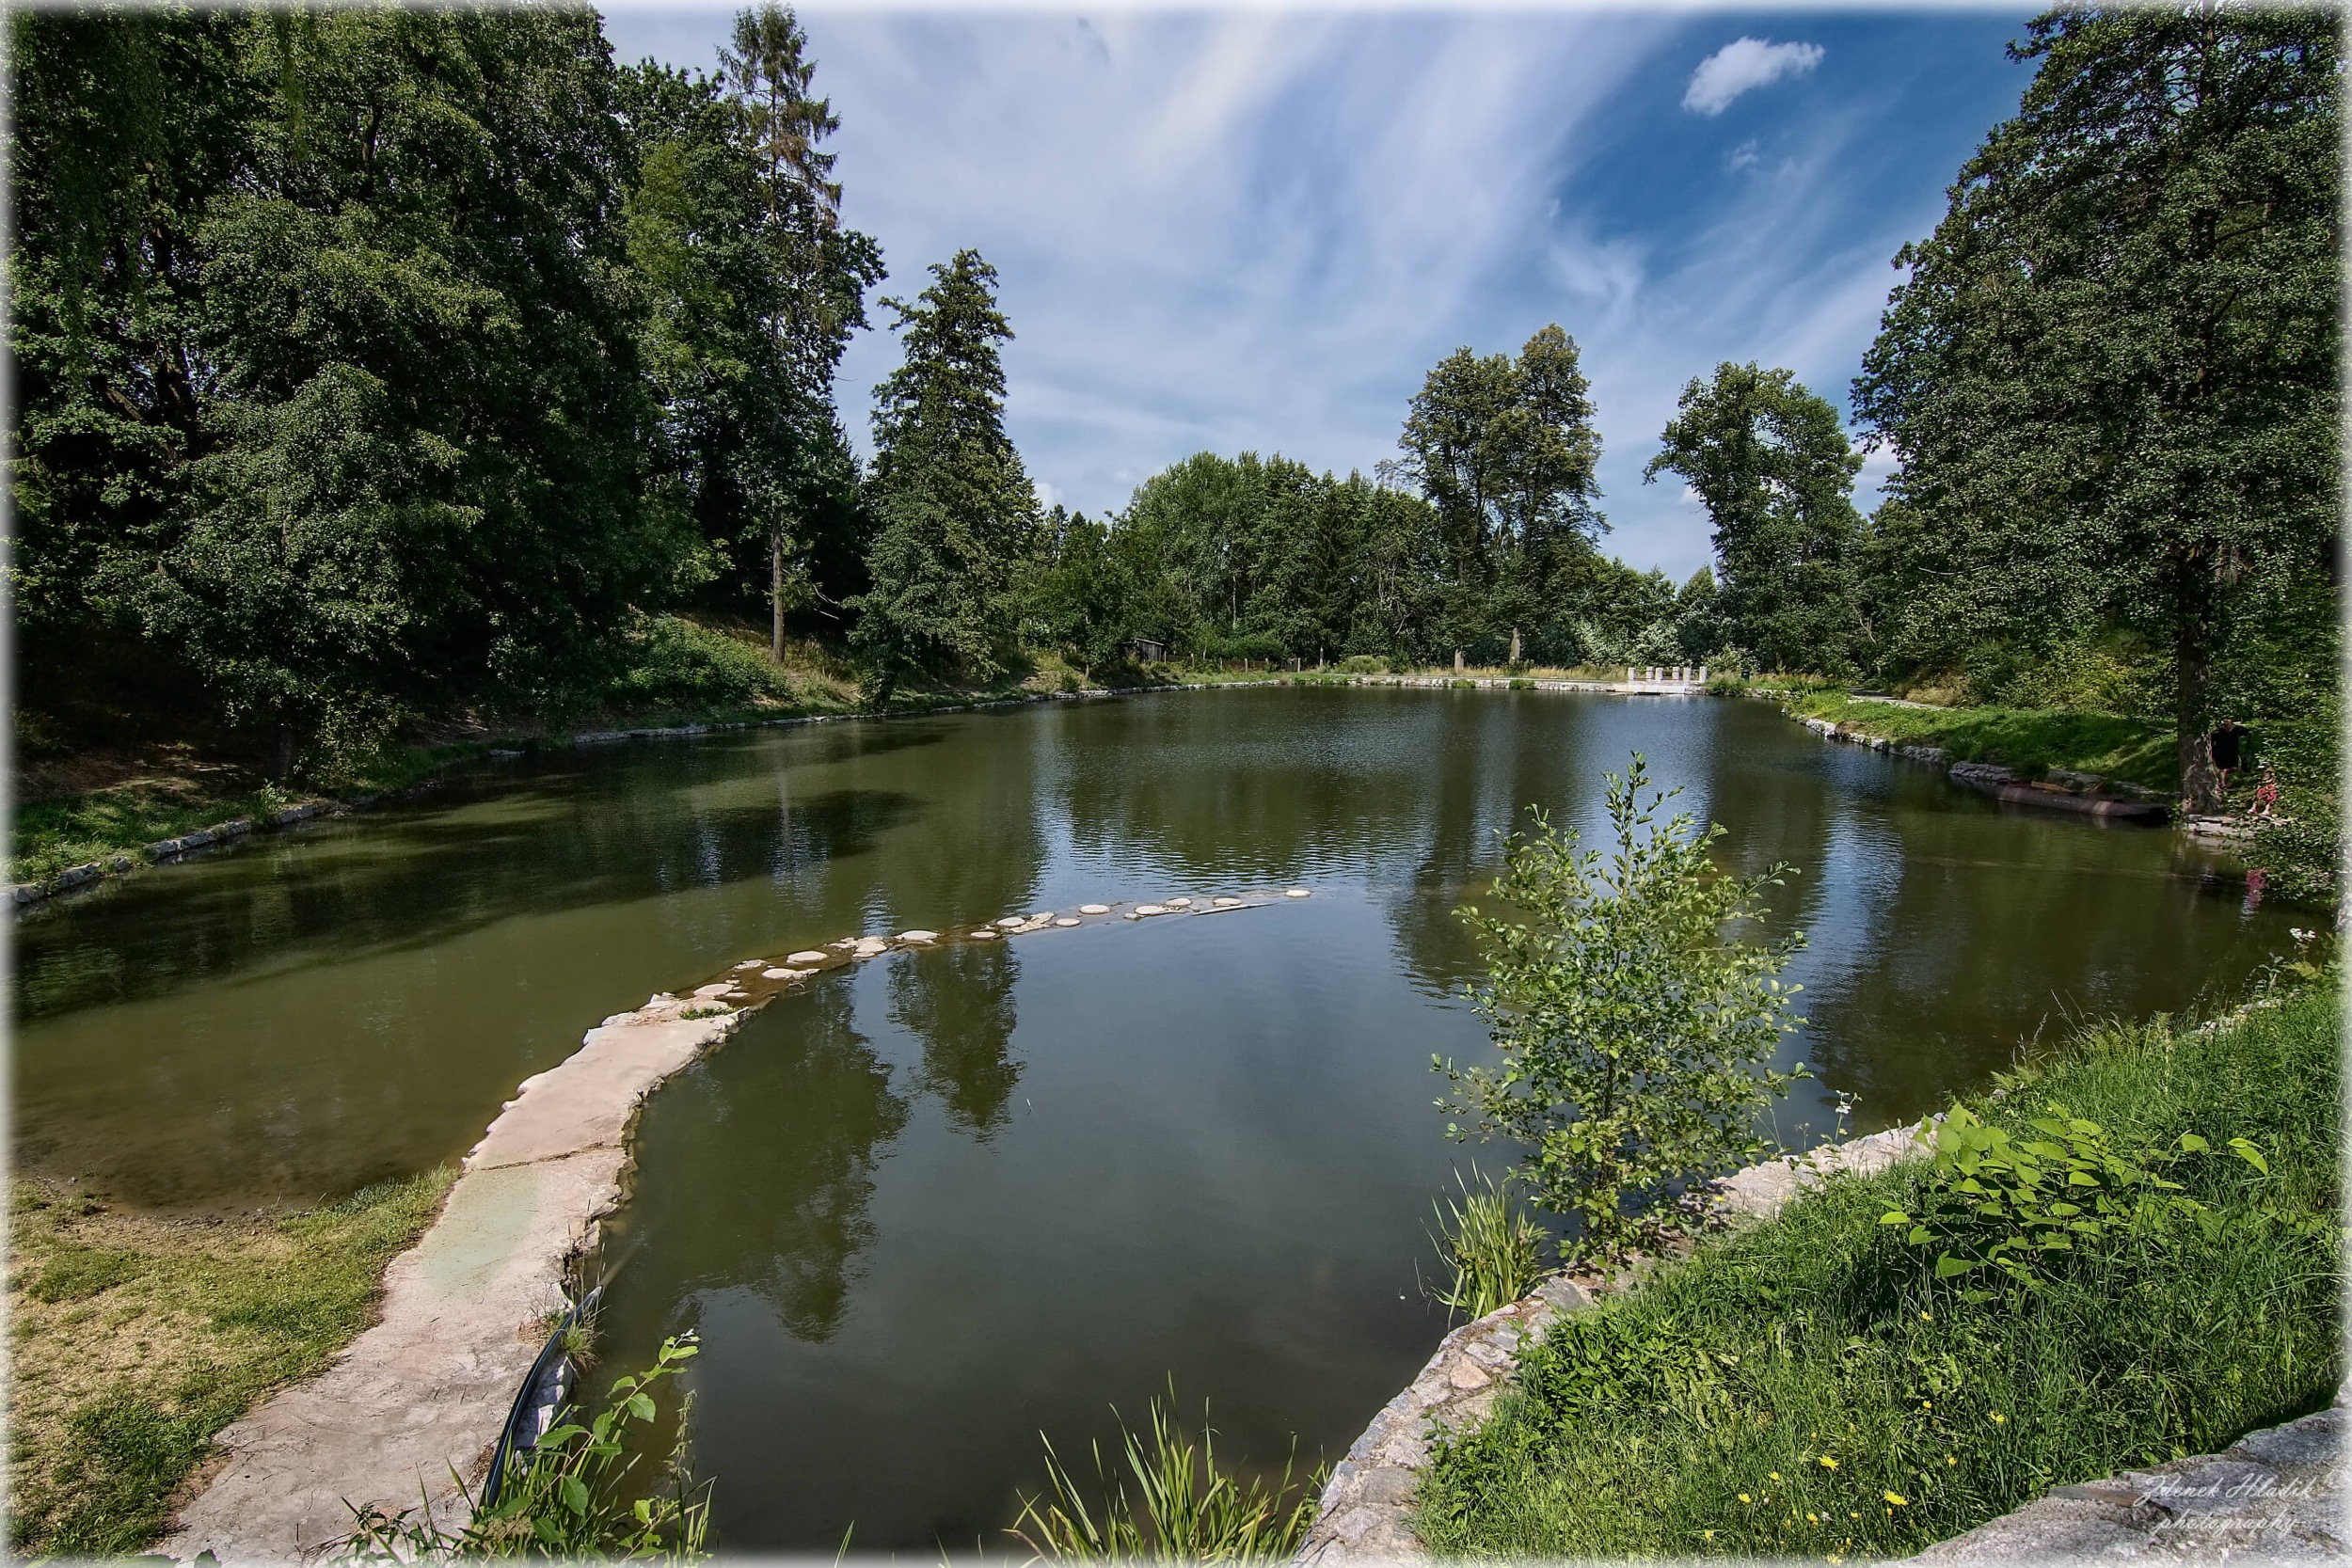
[(925, 1208)]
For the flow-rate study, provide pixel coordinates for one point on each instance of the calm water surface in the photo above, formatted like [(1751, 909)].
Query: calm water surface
[(927, 1209)]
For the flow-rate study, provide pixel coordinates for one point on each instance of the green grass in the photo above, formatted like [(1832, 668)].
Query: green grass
[(50, 835), (2030, 740), (134, 1339), (1776, 1394)]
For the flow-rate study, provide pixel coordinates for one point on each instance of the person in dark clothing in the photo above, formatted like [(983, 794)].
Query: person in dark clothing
[(2223, 746)]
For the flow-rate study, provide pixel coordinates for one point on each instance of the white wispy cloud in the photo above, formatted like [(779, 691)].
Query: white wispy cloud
[(1744, 64), (1247, 229)]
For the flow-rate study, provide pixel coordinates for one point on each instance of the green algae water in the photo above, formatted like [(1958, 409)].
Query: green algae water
[(922, 1210)]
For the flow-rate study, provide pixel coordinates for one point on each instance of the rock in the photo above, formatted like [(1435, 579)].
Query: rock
[(1066, 920), (1296, 893), (983, 934), (1227, 903), (752, 963), (196, 840), (870, 947), (1042, 917), (806, 956), (1180, 903), (845, 944), (26, 892), (2081, 784), (784, 973), (74, 876), (164, 848), (237, 828), (1129, 914), (1009, 922), (122, 862), (1151, 909), (919, 937), (1094, 909), (716, 988)]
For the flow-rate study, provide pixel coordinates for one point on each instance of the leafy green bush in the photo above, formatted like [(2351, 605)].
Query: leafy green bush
[(569, 1496), (2014, 1205), (1634, 1036), (675, 663)]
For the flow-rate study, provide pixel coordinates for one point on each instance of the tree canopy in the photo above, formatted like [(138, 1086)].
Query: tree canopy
[(2112, 376)]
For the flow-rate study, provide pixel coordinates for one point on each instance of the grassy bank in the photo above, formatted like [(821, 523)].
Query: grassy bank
[(2030, 740), (134, 1338), (1811, 1387)]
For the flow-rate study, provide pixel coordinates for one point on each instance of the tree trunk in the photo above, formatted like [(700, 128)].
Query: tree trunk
[(1514, 644), (775, 593), (2200, 780), (282, 760)]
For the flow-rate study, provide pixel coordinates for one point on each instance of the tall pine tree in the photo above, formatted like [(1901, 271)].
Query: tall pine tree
[(956, 520)]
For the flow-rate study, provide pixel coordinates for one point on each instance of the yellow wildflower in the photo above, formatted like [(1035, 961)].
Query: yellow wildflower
[(1927, 1317), (1745, 1498), (1998, 1418), (1896, 1500), (1950, 1460), (1828, 1464), (1812, 1517)]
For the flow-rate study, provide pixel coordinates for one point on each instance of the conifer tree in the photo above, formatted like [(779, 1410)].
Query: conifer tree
[(956, 520)]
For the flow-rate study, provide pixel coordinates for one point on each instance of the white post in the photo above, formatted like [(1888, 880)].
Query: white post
[(1702, 674), (1629, 674)]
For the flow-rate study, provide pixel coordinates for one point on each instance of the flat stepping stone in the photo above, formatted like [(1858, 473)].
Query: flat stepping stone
[(1227, 903), (806, 956), (1180, 903), (716, 988), (870, 947), (752, 963), (784, 973), (1094, 909), (918, 936), (1296, 893), (1066, 920), (1009, 922), (1151, 909), (983, 934)]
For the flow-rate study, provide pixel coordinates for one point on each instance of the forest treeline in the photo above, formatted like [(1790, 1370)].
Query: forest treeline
[(373, 363)]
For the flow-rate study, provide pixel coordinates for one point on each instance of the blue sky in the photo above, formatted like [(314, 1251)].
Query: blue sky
[(1251, 229)]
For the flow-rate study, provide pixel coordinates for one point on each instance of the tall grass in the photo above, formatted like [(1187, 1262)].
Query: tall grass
[(1184, 1509), (1489, 1243), (1811, 1387)]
